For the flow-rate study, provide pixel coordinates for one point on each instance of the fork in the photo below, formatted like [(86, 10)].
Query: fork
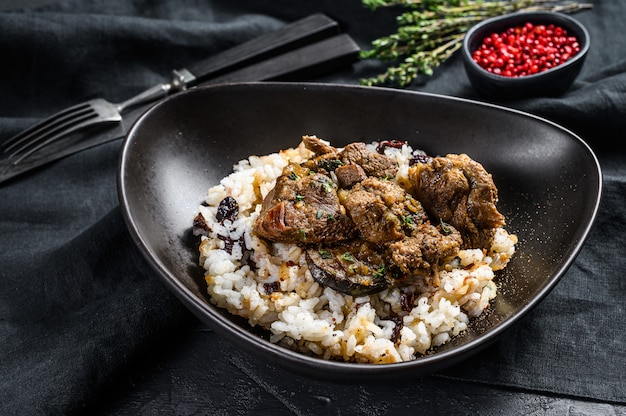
[(78, 117), (100, 111)]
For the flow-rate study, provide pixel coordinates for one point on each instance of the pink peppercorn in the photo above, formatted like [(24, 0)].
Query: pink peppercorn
[(526, 50)]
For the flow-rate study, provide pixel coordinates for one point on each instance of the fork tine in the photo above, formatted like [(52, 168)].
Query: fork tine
[(42, 126), (52, 135)]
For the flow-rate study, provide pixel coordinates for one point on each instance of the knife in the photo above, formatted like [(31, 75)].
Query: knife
[(285, 55)]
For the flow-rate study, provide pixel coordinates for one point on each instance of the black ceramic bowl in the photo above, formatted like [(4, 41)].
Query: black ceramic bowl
[(551, 82), (187, 143)]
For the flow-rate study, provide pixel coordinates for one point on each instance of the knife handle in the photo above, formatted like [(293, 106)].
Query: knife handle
[(291, 36), (306, 62)]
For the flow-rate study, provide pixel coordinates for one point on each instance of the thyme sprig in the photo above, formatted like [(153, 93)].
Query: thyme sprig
[(430, 31)]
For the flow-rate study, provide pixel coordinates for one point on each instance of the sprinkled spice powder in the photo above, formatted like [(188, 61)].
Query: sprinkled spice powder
[(526, 50)]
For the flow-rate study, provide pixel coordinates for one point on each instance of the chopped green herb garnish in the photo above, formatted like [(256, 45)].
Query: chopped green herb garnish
[(293, 176), (327, 186), (352, 268), (329, 165), (331, 217), (299, 198), (302, 233), (325, 254), (380, 272), (348, 257)]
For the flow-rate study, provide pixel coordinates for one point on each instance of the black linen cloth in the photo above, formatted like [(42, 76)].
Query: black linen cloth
[(77, 300)]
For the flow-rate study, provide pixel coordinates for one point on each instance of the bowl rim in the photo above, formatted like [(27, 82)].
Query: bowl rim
[(559, 17), (313, 366)]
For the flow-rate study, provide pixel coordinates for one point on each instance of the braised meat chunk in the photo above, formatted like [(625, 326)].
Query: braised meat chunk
[(421, 253), (459, 191), (317, 146), (381, 210), (373, 163), (349, 175), (303, 207)]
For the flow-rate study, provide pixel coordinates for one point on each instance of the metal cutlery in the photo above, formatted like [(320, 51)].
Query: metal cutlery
[(295, 51)]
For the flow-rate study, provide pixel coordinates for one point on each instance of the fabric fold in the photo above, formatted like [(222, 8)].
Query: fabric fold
[(77, 315)]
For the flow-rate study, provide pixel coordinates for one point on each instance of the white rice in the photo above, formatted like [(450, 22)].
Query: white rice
[(317, 320)]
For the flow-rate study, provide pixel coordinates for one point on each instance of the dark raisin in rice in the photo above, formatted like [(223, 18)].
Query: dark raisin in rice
[(228, 209)]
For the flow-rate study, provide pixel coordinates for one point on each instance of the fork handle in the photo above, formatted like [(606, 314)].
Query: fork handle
[(289, 37)]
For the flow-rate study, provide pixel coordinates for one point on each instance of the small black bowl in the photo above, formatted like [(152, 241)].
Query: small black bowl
[(552, 82)]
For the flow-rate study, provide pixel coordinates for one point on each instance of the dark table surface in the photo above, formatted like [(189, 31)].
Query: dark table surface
[(87, 328)]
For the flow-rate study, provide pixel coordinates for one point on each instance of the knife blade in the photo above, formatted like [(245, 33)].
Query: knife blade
[(307, 61)]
